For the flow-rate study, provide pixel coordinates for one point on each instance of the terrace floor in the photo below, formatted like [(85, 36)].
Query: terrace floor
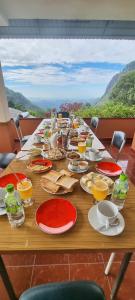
[(27, 270)]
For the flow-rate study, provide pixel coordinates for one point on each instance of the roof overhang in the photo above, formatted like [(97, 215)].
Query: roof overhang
[(68, 29)]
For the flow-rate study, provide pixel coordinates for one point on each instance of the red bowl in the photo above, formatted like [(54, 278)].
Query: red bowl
[(109, 168), (10, 178)]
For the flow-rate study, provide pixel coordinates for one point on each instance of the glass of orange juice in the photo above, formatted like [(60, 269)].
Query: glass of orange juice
[(82, 148), (24, 188), (75, 124), (99, 190)]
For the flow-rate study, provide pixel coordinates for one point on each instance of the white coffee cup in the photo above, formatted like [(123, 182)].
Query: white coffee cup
[(107, 213), (94, 154)]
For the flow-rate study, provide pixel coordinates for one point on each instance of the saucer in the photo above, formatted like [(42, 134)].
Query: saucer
[(87, 156), (111, 231), (77, 170)]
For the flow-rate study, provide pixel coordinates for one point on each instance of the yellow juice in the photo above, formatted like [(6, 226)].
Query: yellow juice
[(75, 125), (99, 190), (81, 147), (25, 189)]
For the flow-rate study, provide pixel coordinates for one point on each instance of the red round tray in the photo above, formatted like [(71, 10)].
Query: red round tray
[(10, 178), (109, 168), (43, 162), (56, 216)]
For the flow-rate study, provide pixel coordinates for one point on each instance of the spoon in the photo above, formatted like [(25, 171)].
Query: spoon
[(115, 223)]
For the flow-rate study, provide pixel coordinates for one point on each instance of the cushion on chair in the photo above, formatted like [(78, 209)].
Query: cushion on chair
[(76, 290), (5, 159)]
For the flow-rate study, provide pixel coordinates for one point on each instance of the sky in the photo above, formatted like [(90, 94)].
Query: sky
[(63, 69)]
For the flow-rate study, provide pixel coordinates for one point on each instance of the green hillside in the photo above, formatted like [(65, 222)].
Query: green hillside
[(18, 101), (118, 99), (124, 90)]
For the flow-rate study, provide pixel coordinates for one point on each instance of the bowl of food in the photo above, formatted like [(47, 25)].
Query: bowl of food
[(73, 156), (35, 152)]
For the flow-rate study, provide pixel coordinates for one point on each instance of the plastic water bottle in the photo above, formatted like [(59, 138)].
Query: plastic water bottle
[(14, 207), (120, 190)]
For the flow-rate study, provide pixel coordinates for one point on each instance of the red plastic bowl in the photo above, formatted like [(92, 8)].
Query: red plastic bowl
[(10, 178), (109, 168)]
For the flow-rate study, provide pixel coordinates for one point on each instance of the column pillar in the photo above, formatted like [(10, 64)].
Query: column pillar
[(6, 128)]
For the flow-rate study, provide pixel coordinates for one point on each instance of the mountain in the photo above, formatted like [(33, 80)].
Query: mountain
[(124, 89), (117, 79), (17, 100), (46, 104)]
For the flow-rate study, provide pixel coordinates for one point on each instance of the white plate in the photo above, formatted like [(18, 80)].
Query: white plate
[(84, 187), (97, 159), (77, 170), (112, 230), (63, 192)]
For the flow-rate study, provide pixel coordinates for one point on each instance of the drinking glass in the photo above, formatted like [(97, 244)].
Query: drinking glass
[(25, 190), (59, 116), (82, 148), (99, 190)]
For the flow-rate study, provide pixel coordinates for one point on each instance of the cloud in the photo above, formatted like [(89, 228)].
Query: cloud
[(52, 75), (26, 52)]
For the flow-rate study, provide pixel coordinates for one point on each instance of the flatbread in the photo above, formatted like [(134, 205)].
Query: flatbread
[(53, 176), (67, 182), (50, 186)]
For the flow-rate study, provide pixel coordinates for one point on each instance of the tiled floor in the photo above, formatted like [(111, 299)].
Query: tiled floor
[(29, 270)]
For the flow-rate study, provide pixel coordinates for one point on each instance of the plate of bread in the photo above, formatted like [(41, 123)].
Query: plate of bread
[(86, 181), (58, 182)]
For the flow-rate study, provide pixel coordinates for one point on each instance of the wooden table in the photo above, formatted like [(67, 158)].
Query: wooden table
[(29, 238)]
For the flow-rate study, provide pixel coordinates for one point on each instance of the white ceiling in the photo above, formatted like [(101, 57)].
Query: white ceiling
[(67, 9)]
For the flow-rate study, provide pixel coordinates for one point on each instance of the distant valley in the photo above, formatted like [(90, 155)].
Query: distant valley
[(46, 104)]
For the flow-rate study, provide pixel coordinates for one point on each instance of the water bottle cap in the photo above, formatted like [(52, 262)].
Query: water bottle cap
[(10, 187), (123, 177)]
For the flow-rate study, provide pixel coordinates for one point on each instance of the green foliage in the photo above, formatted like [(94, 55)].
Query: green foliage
[(108, 110), (124, 90)]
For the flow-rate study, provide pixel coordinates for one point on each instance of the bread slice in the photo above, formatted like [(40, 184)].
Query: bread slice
[(50, 186), (67, 182), (65, 172), (53, 176)]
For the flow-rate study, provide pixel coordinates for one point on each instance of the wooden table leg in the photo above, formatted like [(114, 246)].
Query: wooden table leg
[(122, 271), (6, 280)]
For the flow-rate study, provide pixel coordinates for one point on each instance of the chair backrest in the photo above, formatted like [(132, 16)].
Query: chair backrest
[(118, 139), (65, 114), (76, 290), (94, 122)]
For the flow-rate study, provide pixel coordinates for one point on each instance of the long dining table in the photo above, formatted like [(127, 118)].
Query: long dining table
[(29, 239)]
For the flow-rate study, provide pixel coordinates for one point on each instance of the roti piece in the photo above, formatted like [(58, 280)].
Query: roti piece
[(36, 168), (67, 182), (53, 176), (50, 186)]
